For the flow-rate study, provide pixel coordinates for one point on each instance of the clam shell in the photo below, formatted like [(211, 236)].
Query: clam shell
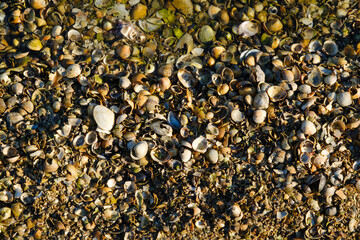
[(186, 78), (237, 116), (161, 128), (5, 213), (6, 196), (79, 141), (139, 150), (104, 118), (261, 100), (206, 34), (185, 154), (259, 116), (200, 144), (74, 35), (248, 28), (50, 165), (73, 71), (35, 45), (344, 99), (173, 120), (91, 137), (212, 155), (330, 48), (276, 93), (175, 165), (160, 154), (308, 127)]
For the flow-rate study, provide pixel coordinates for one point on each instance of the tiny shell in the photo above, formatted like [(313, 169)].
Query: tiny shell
[(104, 118)]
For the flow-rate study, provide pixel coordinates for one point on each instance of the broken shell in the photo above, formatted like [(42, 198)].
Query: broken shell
[(160, 154), (175, 165), (35, 45), (73, 71), (185, 78), (308, 127), (74, 35), (5, 213), (50, 165), (139, 150), (200, 144), (276, 93), (6, 196), (38, 4), (104, 118), (161, 128), (274, 24), (259, 116), (91, 138), (344, 99), (10, 154)]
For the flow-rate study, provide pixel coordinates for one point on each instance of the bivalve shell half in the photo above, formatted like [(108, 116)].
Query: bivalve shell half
[(344, 99), (330, 48), (104, 118), (91, 137), (139, 150), (308, 127), (200, 144), (159, 154), (35, 45), (249, 28), (79, 141), (73, 71), (259, 116), (186, 78), (50, 165), (261, 100), (276, 93), (206, 34)]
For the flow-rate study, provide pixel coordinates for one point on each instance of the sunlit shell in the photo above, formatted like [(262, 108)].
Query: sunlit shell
[(161, 128), (315, 78), (91, 137), (206, 34), (104, 118), (79, 141), (276, 93), (5, 213), (139, 150), (74, 35), (160, 154), (248, 28), (185, 154), (212, 155), (73, 71), (259, 116), (237, 116), (50, 165), (344, 99), (200, 144), (261, 100), (330, 48), (186, 78), (308, 127)]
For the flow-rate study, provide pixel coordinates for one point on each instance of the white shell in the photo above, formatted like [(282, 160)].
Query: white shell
[(200, 144), (308, 127), (212, 155), (185, 155), (248, 29), (73, 71), (104, 118), (139, 150), (91, 138), (259, 116), (237, 116), (261, 100), (330, 80), (56, 31), (344, 99)]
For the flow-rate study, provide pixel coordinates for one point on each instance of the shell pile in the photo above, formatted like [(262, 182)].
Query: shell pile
[(180, 119)]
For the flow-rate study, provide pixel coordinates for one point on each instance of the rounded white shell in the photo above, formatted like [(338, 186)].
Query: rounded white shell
[(73, 71), (259, 116), (344, 99), (104, 118), (200, 144), (308, 127), (139, 150)]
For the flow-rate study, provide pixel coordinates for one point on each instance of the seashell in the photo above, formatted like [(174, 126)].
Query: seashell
[(91, 138), (160, 155), (139, 11), (164, 83), (186, 78), (161, 128), (330, 79), (319, 161), (73, 71), (175, 165), (330, 48), (108, 26), (124, 82), (217, 51), (248, 28), (79, 141), (237, 116), (35, 45), (17, 88), (213, 11), (74, 35), (276, 93), (174, 121), (56, 31), (235, 211), (5, 213), (274, 24), (206, 34), (287, 75), (331, 211), (200, 144), (14, 118), (212, 155), (131, 32), (10, 154), (184, 6), (165, 70), (296, 48), (50, 165), (6, 196), (124, 51), (308, 127), (261, 100), (315, 78), (185, 155), (38, 4), (259, 116), (344, 99), (315, 46), (104, 118), (111, 215), (17, 209), (139, 150)]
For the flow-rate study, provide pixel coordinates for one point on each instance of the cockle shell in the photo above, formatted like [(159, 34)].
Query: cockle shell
[(139, 150), (104, 118)]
